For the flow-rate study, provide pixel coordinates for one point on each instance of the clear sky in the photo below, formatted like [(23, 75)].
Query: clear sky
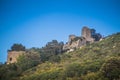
[(36, 22)]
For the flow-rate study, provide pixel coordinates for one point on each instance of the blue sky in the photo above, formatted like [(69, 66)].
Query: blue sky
[(36, 22)]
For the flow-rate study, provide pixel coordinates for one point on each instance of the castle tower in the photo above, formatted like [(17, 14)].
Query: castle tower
[(86, 33), (13, 55)]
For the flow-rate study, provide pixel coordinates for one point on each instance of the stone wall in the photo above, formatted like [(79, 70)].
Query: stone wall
[(71, 37), (86, 33), (74, 43), (13, 55), (87, 36)]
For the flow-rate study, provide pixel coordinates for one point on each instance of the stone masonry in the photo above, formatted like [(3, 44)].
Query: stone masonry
[(13, 55), (87, 36)]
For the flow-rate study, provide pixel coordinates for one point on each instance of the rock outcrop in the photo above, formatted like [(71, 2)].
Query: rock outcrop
[(87, 36)]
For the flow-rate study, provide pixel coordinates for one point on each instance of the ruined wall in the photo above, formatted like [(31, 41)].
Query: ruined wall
[(75, 42), (86, 33), (87, 36), (13, 55), (71, 37), (90, 34)]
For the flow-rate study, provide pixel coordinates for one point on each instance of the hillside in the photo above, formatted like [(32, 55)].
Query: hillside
[(96, 61), (85, 63)]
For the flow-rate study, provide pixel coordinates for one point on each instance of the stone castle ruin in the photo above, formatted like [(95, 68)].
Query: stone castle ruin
[(87, 36), (13, 55)]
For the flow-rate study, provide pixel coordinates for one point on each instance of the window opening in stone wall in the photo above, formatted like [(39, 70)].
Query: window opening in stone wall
[(10, 59)]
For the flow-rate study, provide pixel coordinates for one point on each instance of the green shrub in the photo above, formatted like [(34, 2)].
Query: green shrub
[(17, 47), (93, 76), (24, 62), (111, 68), (52, 75), (73, 69), (8, 72)]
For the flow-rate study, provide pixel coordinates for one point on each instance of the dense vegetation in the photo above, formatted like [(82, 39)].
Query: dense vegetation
[(96, 61), (17, 47)]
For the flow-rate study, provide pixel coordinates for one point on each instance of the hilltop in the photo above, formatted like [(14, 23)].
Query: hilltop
[(86, 62), (54, 47), (96, 61)]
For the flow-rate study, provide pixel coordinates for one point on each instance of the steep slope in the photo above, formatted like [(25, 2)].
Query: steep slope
[(86, 63)]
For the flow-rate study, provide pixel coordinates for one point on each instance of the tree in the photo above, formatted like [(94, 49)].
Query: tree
[(24, 63), (17, 47), (51, 50), (28, 61), (9, 72)]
